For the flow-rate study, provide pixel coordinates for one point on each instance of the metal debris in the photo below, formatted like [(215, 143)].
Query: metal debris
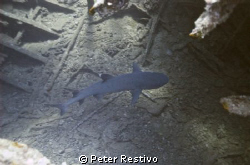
[(2, 57), (108, 7), (20, 50), (151, 5), (4, 23), (67, 1), (28, 22), (65, 55), (20, 1), (18, 37), (15, 83), (152, 33), (14, 33), (58, 5)]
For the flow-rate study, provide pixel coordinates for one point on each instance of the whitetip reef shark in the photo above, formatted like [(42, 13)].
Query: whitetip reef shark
[(134, 82)]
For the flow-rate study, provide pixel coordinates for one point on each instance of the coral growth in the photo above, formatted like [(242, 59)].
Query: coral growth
[(239, 105), (17, 153), (216, 12)]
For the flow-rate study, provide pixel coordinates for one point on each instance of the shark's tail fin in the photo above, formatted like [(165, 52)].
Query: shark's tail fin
[(63, 108)]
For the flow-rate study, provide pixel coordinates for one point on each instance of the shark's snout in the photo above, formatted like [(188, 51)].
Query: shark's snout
[(163, 79), (152, 80), (155, 80)]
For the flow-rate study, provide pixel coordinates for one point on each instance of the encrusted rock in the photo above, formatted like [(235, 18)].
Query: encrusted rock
[(15, 153), (239, 105), (216, 12)]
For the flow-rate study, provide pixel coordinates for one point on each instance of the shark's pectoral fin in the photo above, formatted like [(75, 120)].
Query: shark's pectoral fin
[(98, 96), (81, 101), (135, 95), (136, 68), (105, 77)]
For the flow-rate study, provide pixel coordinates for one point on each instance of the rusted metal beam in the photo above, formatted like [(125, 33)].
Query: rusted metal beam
[(2, 57), (14, 83), (28, 22), (52, 2), (23, 51), (66, 54)]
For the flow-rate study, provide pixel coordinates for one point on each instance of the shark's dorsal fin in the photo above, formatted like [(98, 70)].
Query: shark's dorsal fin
[(136, 68), (135, 95), (105, 77)]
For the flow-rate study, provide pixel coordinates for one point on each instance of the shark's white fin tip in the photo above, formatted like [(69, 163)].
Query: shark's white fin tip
[(135, 95)]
